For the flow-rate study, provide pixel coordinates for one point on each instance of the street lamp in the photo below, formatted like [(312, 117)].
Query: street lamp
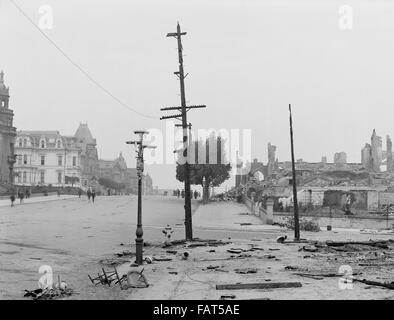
[(139, 241)]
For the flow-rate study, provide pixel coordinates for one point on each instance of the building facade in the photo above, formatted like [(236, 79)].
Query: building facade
[(47, 158), (90, 169), (116, 170), (340, 159), (7, 138)]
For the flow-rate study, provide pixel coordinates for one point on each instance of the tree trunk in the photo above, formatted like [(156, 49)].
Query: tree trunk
[(205, 193)]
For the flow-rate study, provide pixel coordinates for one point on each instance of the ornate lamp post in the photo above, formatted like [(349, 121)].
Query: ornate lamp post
[(139, 241)]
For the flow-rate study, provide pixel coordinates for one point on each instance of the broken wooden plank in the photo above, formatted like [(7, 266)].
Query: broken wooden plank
[(388, 285), (328, 275), (367, 243), (265, 285)]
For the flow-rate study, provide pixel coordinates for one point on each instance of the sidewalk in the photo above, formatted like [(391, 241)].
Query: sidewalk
[(7, 202), (268, 261), (229, 216)]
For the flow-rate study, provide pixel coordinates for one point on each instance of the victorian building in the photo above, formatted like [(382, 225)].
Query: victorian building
[(89, 159), (7, 138), (116, 170), (47, 158)]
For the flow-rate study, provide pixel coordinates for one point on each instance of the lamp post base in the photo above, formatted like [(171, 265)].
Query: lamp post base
[(139, 244)]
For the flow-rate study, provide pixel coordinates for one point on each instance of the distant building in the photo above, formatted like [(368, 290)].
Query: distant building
[(389, 154), (376, 152), (89, 158), (372, 154), (131, 180), (47, 158), (366, 157), (272, 160), (116, 170), (7, 137), (340, 159)]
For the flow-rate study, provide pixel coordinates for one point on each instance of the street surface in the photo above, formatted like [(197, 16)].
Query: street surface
[(76, 238), (71, 235)]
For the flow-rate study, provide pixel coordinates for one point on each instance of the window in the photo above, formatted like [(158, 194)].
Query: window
[(59, 144), (42, 177), (42, 144), (42, 160), (19, 159), (19, 177), (74, 161), (20, 142), (25, 159), (24, 176), (59, 160), (24, 143), (59, 177)]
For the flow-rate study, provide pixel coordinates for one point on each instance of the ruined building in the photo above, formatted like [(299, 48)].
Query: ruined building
[(272, 161), (340, 159), (372, 154), (389, 154), (7, 137)]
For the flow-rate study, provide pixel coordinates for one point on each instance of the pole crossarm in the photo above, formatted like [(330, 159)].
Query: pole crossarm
[(170, 117), (180, 108), (176, 34)]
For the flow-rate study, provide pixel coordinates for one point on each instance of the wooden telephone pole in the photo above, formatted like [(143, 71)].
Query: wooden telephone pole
[(296, 219), (182, 117)]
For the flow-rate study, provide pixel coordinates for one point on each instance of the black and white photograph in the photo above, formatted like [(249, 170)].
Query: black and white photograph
[(196, 153)]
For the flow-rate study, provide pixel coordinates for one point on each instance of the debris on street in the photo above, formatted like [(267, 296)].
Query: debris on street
[(137, 279), (245, 270), (261, 285)]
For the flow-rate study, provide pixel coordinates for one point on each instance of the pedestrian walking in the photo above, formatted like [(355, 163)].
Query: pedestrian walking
[(195, 194), (12, 198), (89, 193), (58, 193), (21, 195), (93, 195), (178, 193), (183, 194), (79, 193), (27, 194)]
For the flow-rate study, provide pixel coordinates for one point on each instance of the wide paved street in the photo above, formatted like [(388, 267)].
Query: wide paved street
[(76, 238), (70, 234)]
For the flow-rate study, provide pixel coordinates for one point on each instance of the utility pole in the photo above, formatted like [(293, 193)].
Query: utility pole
[(190, 130), (296, 220), (182, 117), (139, 241)]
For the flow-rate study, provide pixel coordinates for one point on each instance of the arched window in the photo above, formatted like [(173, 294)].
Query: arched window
[(42, 144), (24, 143)]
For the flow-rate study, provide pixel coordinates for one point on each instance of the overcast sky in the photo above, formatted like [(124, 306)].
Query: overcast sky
[(247, 59)]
